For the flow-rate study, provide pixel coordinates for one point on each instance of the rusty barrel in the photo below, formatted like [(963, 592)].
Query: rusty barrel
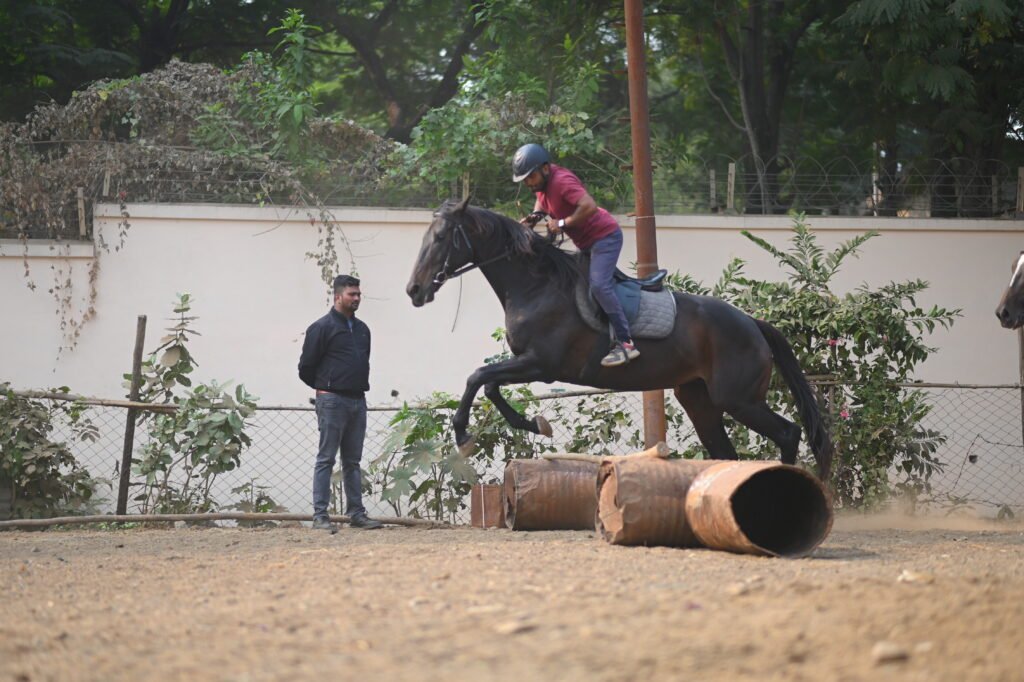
[(759, 508), (642, 501), (550, 494), (749, 507)]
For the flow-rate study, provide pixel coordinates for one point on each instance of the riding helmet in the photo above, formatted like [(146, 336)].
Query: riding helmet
[(528, 158)]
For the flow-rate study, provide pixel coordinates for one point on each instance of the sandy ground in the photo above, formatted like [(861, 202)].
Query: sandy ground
[(874, 603)]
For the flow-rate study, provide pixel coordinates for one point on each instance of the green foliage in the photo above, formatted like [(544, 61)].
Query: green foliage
[(39, 477), (274, 104), (515, 94), (255, 499), (864, 343), (421, 473), (202, 437)]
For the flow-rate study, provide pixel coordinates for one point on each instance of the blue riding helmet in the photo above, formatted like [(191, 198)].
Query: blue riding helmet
[(528, 158)]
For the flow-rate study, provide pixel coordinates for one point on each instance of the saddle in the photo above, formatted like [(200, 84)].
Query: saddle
[(650, 309)]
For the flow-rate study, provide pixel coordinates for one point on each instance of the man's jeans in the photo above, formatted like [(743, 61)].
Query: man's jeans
[(342, 424), (604, 255)]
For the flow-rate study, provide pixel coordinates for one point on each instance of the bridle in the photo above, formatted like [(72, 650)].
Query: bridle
[(460, 233)]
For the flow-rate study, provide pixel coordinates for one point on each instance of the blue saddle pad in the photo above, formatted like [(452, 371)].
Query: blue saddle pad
[(629, 297)]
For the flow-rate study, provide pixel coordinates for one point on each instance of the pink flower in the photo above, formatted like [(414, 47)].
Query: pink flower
[(833, 342), (844, 413)]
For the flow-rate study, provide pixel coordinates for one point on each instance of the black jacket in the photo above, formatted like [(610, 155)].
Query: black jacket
[(334, 358)]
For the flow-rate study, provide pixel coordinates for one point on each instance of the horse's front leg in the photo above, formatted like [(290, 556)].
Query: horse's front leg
[(517, 370), (538, 424)]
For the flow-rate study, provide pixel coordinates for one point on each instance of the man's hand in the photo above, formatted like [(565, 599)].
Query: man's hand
[(534, 218), (553, 227)]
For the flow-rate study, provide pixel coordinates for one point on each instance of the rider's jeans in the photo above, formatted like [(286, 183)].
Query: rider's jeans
[(604, 255), (342, 422)]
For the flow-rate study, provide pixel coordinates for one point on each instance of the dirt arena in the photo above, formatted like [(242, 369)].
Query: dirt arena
[(919, 600)]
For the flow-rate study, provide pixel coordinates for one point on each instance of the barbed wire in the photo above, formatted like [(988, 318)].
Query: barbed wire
[(953, 187)]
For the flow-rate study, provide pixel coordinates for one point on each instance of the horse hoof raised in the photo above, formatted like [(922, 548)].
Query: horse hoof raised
[(468, 448), (543, 427)]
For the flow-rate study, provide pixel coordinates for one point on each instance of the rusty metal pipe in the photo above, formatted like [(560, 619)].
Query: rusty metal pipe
[(759, 508), (749, 507), (545, 494), (642, 501)]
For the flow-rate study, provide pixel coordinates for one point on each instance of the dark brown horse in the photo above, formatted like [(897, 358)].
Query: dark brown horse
[(1010, 310), (717, 359)]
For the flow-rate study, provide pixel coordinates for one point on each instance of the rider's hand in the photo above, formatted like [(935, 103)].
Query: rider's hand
[(534, 218)]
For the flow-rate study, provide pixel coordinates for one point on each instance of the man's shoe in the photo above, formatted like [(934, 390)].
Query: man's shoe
[(320, 523), (365, 522), (620, 354)]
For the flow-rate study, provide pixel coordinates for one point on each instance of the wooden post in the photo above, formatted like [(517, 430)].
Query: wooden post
[(465, 185), (730, 196), (711, 188), (129, 425), (81, 213)]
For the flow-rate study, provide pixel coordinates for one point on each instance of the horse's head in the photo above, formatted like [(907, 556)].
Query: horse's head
[(445, 248), (1010, 310)]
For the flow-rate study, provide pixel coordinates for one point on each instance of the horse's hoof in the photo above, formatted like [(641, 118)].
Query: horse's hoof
[(468, 447), (543, 427)]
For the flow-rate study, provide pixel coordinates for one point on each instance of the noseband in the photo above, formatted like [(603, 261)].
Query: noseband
[(459, 233)]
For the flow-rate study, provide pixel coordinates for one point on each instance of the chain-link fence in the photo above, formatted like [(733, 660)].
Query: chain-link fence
[(982, 458)]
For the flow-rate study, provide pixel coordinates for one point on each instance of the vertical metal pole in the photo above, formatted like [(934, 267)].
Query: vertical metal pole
[(995, 195), (129, 425), (711, 190), (81, 212), (646, 243), (1020, 365), (1020, 192), (730, 196)]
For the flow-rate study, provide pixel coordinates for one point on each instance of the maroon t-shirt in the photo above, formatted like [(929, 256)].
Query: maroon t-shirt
[(560, 199)]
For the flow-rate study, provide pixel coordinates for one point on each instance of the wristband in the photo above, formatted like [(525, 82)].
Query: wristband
[(561, 223)]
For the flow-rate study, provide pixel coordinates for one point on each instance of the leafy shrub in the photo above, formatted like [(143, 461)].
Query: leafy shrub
[(39, 477), (204, 435), (862, 344)]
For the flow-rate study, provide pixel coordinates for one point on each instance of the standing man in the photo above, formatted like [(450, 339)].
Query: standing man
[(336, 363), (593, 230)]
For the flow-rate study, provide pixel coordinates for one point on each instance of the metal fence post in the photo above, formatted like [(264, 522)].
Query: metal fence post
[(1020, 192), (730, 196), (129, 425)]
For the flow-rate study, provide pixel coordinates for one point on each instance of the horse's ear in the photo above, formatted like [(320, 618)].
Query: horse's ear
[(461, 206)]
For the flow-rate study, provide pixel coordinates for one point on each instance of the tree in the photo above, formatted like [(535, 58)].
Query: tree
[(943, 78), (746, 53)]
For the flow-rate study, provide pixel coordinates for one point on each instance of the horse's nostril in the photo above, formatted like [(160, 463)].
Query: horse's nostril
[(413, 289), (1002, 313)]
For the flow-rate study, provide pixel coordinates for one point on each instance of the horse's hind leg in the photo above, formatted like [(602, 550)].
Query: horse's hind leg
[(706, 419), (537, 425), (774, 427)]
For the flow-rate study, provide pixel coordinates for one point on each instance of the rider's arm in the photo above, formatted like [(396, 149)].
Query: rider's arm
[(585, 208)]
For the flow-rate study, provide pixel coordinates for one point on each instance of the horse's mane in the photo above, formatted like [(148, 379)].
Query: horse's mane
[(545, 256)]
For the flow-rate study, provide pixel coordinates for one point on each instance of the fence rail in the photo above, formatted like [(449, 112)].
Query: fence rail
[(982, 455)]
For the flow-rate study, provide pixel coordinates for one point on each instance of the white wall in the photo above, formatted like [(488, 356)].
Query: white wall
[(255, 293)]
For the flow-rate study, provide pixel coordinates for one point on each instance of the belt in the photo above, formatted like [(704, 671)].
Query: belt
[(345, 394)]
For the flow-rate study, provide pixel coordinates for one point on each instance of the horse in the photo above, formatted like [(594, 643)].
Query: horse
[(717, 359), (1010, 310)]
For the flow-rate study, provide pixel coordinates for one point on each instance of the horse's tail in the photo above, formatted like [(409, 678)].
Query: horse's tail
[(806, 402)]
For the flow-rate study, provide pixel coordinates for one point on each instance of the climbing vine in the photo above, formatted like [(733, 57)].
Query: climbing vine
[(183, 133)]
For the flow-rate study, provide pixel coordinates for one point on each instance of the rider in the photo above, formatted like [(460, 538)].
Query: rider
[(593, 230)]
